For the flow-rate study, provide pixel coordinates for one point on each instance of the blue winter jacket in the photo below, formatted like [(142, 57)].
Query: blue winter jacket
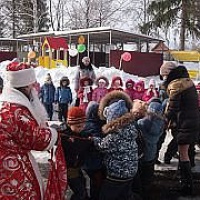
[(63, 95), (47, 93), (152, 128), (120, 150), (93, 127)]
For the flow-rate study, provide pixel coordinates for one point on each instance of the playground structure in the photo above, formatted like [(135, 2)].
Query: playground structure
[(54, 52), (104, 46), (188, 56)]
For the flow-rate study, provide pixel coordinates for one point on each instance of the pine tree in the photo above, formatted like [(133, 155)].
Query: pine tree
[(164, 13)]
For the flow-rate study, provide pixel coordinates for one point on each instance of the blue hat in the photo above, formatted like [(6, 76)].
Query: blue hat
[(155, 107), (115, 110)]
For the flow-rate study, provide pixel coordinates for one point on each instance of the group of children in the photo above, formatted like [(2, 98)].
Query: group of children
[(61, 95), (105, 143), (87, 91)]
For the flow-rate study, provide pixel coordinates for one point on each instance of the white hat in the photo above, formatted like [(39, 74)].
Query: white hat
[(20, 75)]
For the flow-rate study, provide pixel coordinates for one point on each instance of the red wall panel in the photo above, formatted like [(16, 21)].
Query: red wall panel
[(7, 55), (141, 63)]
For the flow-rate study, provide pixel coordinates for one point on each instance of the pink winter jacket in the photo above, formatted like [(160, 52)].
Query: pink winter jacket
[(149, 94), (98, 93)]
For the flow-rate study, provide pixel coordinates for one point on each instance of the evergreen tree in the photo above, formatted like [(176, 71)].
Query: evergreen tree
[(164, 13)]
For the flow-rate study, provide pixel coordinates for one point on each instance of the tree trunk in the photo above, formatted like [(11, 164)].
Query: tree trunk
[(13, 19), (35, 16), (183, 24)]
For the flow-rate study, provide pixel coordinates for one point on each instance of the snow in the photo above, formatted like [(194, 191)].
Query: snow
[(58, 73)]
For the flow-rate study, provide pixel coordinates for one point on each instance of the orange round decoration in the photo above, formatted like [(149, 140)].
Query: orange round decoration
[(81, 40), (31, 54)]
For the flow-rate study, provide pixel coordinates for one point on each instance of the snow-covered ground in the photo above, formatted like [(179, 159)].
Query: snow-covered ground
[(58, 73)]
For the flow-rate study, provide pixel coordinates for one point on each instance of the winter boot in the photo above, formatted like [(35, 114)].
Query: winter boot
[(192, 153), (186, 183)]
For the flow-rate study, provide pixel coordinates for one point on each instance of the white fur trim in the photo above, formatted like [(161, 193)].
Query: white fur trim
[(21, 78), (102, 80), (54, 137), (37, 173)]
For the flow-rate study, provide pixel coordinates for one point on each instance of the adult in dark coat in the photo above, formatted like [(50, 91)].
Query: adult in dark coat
[(183, 113)]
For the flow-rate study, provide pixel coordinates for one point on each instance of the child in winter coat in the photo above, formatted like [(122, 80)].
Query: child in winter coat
[(130, 88), (139, 90), (47, 94), (119, 146), (151, 127), (75, 147), (101, 90), (93, 164), (151, 91), (63, 97), (116, 84), (85, 92)]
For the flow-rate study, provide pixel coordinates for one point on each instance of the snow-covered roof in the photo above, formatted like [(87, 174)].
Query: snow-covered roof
[(13, 39), (97, 34)]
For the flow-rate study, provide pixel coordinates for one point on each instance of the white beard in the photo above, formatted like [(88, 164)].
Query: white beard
[(38, 108)]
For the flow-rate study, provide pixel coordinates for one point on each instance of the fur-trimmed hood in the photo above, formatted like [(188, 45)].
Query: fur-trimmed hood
[(119, 123), (179, 85), (104, 78), (141, 84), (130, 81), (115, 78), (112, 97), (64, 78), (85, 79)]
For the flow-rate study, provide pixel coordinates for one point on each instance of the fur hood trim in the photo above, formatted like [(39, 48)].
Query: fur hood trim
[(119, 123), (112, 97), (104, 78), (179, 85)]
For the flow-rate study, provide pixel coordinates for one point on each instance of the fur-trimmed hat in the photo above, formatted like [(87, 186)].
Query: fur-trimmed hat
[(115, 78), (104, 78), (166, 68), (115, 110), (85, 79), (64, 78), (130, 81), (139, 83), (75, 115), (20, 74), (112, 97)]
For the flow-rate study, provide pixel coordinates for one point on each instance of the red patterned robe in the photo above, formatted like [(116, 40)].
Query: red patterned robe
[(19, 134)]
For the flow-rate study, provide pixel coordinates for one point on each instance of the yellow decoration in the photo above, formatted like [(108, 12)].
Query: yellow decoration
[(193, 73), (81, 40), (186, 55), (31, 54)]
